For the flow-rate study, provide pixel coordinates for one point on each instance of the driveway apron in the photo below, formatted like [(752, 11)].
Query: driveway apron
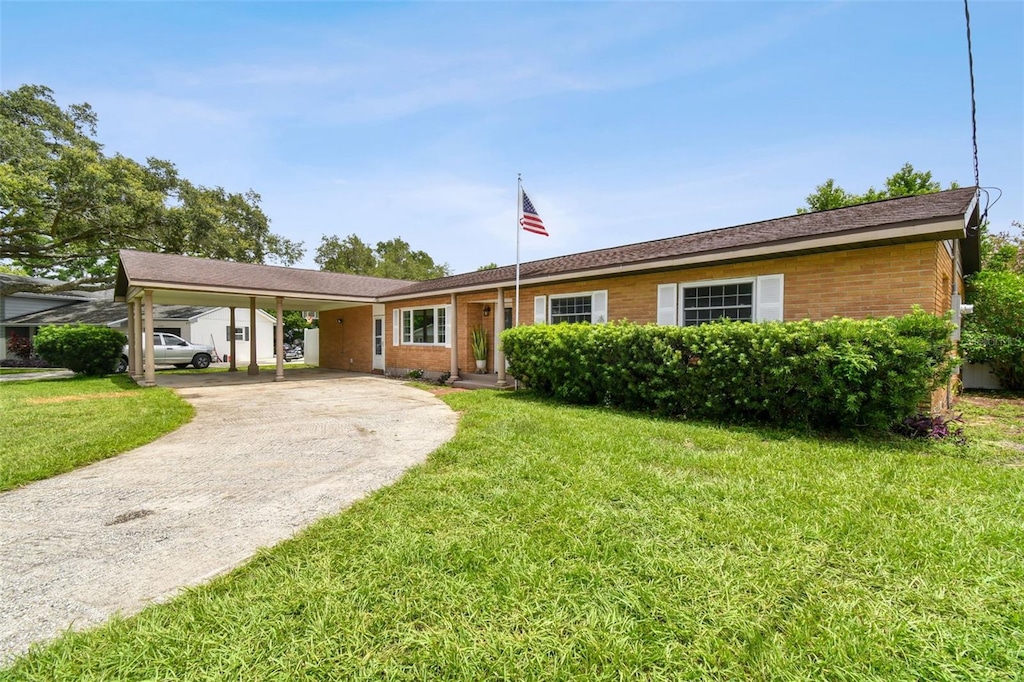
[(259, 462)]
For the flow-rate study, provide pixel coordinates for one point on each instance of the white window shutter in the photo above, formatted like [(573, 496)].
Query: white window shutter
[(396, 328), (447, 326), (769, 298), (540, 309), (668, 303), (599, 307)]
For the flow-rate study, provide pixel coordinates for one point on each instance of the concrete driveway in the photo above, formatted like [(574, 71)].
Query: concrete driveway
[(260, 461)]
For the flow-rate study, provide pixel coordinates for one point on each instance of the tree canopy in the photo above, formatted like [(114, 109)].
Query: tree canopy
[(903, 183), (66, 208), (393, 259)]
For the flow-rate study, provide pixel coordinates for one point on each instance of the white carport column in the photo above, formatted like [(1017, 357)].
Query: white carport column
[(279, 340), (454, 343), (150, 355), (137, 346), (131, 338), (499, 327), (233, 366), (254, 368)]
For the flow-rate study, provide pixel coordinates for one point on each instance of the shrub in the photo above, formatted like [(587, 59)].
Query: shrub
[(839, 373), (20, 347), (84, 349), (994, 333)]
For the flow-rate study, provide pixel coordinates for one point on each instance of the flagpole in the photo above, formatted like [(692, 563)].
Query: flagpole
[(519, 230)]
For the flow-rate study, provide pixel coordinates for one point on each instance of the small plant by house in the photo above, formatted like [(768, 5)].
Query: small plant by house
[(478, 339), (933, 427), (84, 349), (21, 354)]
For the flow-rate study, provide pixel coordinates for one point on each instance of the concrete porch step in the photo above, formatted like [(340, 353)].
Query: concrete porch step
[(482, 381)]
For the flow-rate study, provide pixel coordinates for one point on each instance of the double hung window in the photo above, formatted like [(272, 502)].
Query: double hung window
[(425, 325)]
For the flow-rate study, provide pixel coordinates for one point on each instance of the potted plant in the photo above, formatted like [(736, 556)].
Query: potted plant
[(478, 337)]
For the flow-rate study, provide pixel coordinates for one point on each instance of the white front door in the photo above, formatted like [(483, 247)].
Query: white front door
[(378, 342)]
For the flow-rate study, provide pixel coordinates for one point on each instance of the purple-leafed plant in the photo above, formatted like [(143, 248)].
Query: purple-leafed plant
[(934, 427)]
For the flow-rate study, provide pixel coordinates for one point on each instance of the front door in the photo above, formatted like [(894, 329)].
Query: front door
[(378, 342)]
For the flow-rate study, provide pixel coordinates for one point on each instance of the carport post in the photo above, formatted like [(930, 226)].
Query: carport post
[(137, 347), (454, 342), (254, 369), (150, 355), (131, 338), (499, 327), (232, 367), (279, 340)]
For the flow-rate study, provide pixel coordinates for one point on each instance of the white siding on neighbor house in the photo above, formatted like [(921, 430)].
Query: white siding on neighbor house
[(212, 329), (15, 306)]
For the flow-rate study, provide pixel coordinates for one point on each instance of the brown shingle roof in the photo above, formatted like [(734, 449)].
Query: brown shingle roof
[(200, 272), (197, 272), (928, 207), (103, 312)]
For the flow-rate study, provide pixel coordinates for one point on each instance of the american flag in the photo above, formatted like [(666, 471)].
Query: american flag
[(530, 221)]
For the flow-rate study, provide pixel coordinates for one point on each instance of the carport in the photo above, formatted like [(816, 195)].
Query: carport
[(145, 279)]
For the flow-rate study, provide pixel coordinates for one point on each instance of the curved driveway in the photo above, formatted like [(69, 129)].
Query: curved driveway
[(259, 462)]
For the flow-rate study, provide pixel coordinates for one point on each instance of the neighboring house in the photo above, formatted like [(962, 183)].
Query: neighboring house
[(198, 324), (15, 305), (875, 259)]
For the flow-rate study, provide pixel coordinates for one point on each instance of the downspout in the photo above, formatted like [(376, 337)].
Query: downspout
[(955, 303)]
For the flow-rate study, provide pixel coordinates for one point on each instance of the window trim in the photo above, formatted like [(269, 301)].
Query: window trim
[(683, 286), (405, 333), (553, 297)]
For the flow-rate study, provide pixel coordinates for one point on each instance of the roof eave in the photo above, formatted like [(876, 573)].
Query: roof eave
[(947, 228)]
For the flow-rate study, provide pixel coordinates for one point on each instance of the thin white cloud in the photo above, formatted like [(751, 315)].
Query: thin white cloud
[(375, 78)]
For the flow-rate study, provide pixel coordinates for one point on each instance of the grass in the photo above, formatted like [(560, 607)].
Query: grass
[(241, 368), (553, 542), (996, 425), (49, 427)]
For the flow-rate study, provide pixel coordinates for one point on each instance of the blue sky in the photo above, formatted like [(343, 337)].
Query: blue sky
[(629, 121)]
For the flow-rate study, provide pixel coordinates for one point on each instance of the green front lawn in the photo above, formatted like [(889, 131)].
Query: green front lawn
[(290, 366), (553, 542), (49, 427)]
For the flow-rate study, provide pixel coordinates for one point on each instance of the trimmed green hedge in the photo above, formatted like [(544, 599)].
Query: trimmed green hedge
[(83, 348), (839, 373)]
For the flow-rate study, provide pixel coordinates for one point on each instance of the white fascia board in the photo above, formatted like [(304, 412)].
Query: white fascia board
[(947, 229), (136, 288), (969, 213)]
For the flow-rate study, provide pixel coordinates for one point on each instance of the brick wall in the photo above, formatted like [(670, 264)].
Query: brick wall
[(876, 281), (348, 345), (406, 357)]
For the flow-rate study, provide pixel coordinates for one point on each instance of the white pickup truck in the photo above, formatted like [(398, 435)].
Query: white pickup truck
[(170, 349)]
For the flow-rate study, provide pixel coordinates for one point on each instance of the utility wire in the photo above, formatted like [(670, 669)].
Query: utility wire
[(974, 106)]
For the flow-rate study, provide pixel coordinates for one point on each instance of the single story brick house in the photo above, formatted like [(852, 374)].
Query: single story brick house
[(875, 259)]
